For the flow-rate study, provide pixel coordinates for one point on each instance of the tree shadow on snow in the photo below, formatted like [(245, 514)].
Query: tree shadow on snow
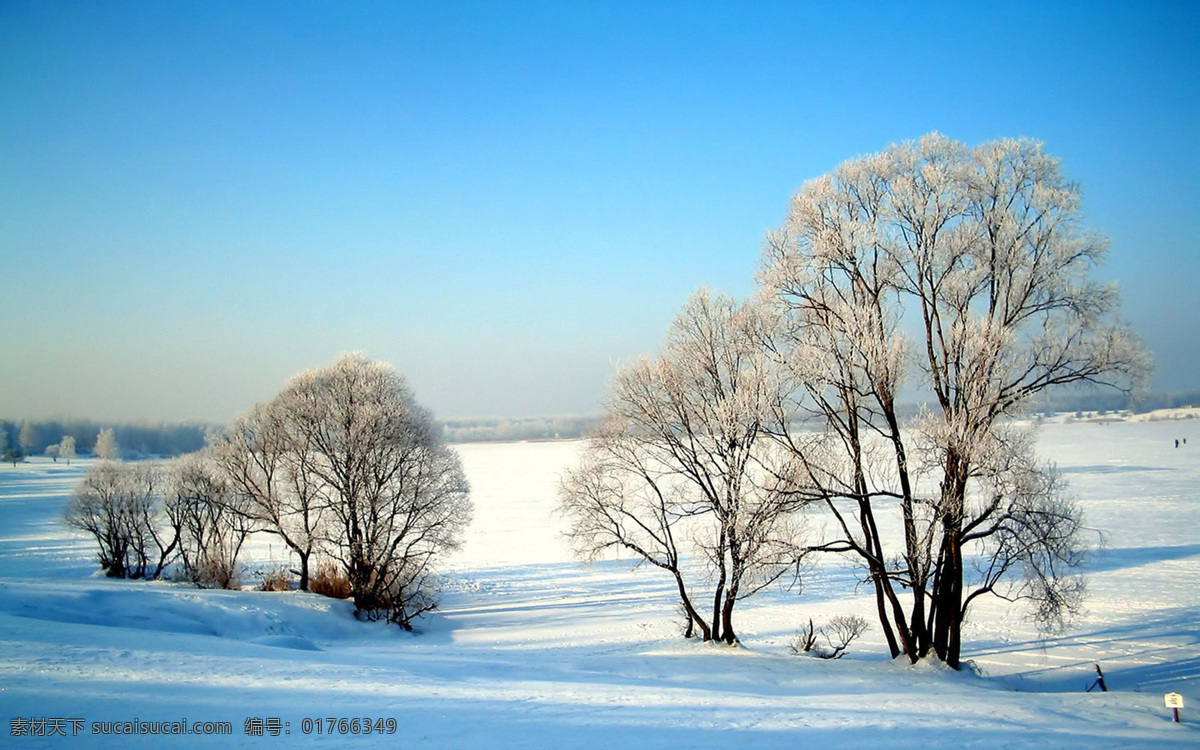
[(1111, 469), (1142, 653), (1119, 558)]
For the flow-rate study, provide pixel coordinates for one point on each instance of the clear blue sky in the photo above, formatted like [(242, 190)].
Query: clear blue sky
[(505, 199)]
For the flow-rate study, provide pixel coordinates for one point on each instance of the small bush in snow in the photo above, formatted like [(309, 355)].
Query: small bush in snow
[(805, 640), (330, 581), (838, 634), (277, 579), (212, 573)]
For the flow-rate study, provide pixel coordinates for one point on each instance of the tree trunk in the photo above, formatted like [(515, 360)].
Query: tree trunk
[(694, 618), (895, 627), (727, 633), (303, 568), (947, 622), (918, 633), (947, 627), (719, 594), (884, 622)]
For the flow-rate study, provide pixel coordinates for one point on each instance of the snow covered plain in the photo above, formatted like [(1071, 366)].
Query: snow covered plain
[(531, 649)]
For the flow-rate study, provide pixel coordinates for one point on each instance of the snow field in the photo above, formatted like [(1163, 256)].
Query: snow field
[(531, 649)]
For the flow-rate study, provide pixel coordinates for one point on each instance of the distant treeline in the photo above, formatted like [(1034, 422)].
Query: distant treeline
[(1108, 401), (574, 427), (135, 439), (526, 428), (165, 439)]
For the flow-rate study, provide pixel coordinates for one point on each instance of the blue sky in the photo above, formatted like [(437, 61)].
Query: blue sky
[(505, 200)]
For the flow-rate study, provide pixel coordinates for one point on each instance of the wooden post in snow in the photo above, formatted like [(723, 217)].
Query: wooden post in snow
[(1174, 702)]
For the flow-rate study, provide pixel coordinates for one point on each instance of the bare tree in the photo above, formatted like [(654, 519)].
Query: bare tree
[(212, 525), (839, 633), (106, 445), (66, 448), (682, 464), (982, 250), (620, 498), (270, 468), (28, 437), (121, 507), (395, 496)]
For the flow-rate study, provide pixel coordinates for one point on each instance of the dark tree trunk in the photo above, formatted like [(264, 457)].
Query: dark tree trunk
[(947, 633), (884, 622), (918, 633), (694, 618), (948, 590), (304, 556), (727, 633), (719, 594)]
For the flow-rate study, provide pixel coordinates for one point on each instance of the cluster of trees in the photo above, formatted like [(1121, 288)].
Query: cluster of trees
[(1100, 401), (28, 437), (46, 437), (962, 273), (765, 431), (343, 465), (64, 449), (104, 447)]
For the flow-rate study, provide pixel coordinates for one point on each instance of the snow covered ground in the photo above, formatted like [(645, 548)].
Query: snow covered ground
[(531, 649)]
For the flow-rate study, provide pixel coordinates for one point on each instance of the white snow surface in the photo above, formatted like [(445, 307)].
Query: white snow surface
[(531, 649)]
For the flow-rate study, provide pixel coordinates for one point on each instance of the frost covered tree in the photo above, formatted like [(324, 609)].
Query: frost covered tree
[(106, 445), (269, 466), (398, 498), (964, 272), (6, 451), (120, 505), (212, 526), (66, 448), (681, 472), (28, 437), (346, 462)]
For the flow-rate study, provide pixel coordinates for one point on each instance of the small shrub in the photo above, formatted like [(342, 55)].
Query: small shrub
[(805, 640), (276, 579), (839, 633), (330, 581), (212, 573), (398, 600)]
